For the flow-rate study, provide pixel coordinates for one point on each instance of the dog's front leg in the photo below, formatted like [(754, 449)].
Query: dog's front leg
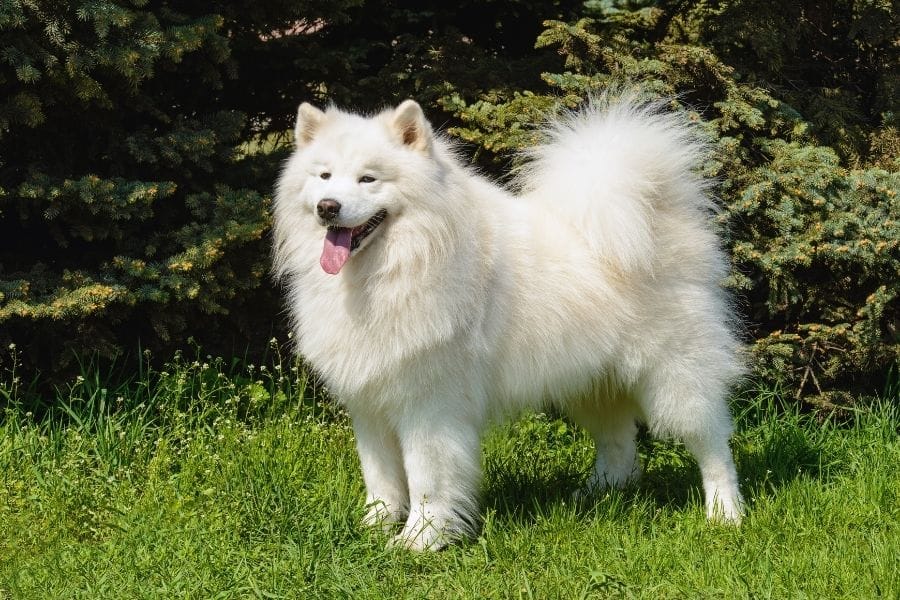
[(442, 458), (387, 498)]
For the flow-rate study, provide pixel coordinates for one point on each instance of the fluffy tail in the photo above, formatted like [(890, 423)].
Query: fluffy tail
[(610, 167)]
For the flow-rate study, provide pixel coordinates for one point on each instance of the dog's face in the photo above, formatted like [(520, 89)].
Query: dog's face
[(348, 175)]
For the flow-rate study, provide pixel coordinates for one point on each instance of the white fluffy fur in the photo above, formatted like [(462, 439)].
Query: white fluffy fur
[(596, 288)]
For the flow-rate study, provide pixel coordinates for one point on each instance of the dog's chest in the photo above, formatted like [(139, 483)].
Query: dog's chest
[(353, 336)]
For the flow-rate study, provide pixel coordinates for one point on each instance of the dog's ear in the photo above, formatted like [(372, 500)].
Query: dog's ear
[(308, 120), (411, 126)]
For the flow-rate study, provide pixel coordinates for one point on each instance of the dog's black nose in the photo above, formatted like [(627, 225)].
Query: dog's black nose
[(328, 208)]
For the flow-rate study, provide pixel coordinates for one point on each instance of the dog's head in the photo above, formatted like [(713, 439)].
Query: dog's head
[(351, 177)]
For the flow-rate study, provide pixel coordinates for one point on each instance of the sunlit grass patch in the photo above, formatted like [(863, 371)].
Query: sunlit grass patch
[(213, 478)]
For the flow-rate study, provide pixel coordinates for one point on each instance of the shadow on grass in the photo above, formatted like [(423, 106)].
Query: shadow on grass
[(768, 458), (521, 494)]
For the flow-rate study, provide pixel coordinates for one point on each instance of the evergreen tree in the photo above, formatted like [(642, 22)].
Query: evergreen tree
[(126, 210)]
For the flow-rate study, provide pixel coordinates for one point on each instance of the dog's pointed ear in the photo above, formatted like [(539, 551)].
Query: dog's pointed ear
[(308, 120), (411, 126)]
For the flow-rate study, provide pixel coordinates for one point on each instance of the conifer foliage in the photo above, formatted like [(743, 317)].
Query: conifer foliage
[(125, 210)]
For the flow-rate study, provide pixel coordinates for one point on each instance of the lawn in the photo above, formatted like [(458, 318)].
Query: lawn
[(210, 480)]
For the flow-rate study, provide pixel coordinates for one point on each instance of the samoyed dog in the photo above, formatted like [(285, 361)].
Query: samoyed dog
[(432, 301)]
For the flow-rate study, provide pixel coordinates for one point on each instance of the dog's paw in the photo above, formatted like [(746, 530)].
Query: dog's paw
[(726, 510), (427, 539), (383, 517), (615, 477), (428, 535), (599, 484)]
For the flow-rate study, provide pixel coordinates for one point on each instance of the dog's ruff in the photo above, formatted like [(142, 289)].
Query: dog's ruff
[(432, 301)]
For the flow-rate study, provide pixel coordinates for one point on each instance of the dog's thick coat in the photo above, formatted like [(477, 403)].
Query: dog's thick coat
[(432, 301)]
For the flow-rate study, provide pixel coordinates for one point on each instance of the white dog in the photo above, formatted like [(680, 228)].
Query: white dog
[(432, 301)]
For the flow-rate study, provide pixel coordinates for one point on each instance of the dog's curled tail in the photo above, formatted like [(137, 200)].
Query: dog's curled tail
[(611, 166)]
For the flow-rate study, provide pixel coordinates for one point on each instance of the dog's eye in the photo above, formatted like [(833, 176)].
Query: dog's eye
[(366, 179), (325, 175)]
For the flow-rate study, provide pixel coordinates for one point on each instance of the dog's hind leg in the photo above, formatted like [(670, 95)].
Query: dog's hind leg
[(613, 428), (720, 484), (691, 407)]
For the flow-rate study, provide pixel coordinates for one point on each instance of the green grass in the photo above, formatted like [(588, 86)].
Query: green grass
[(206, 480)]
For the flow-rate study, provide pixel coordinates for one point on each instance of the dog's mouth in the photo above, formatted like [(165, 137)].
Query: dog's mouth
[(341, 241)]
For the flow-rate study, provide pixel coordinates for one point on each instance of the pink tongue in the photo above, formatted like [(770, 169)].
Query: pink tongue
[(336, 250)]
